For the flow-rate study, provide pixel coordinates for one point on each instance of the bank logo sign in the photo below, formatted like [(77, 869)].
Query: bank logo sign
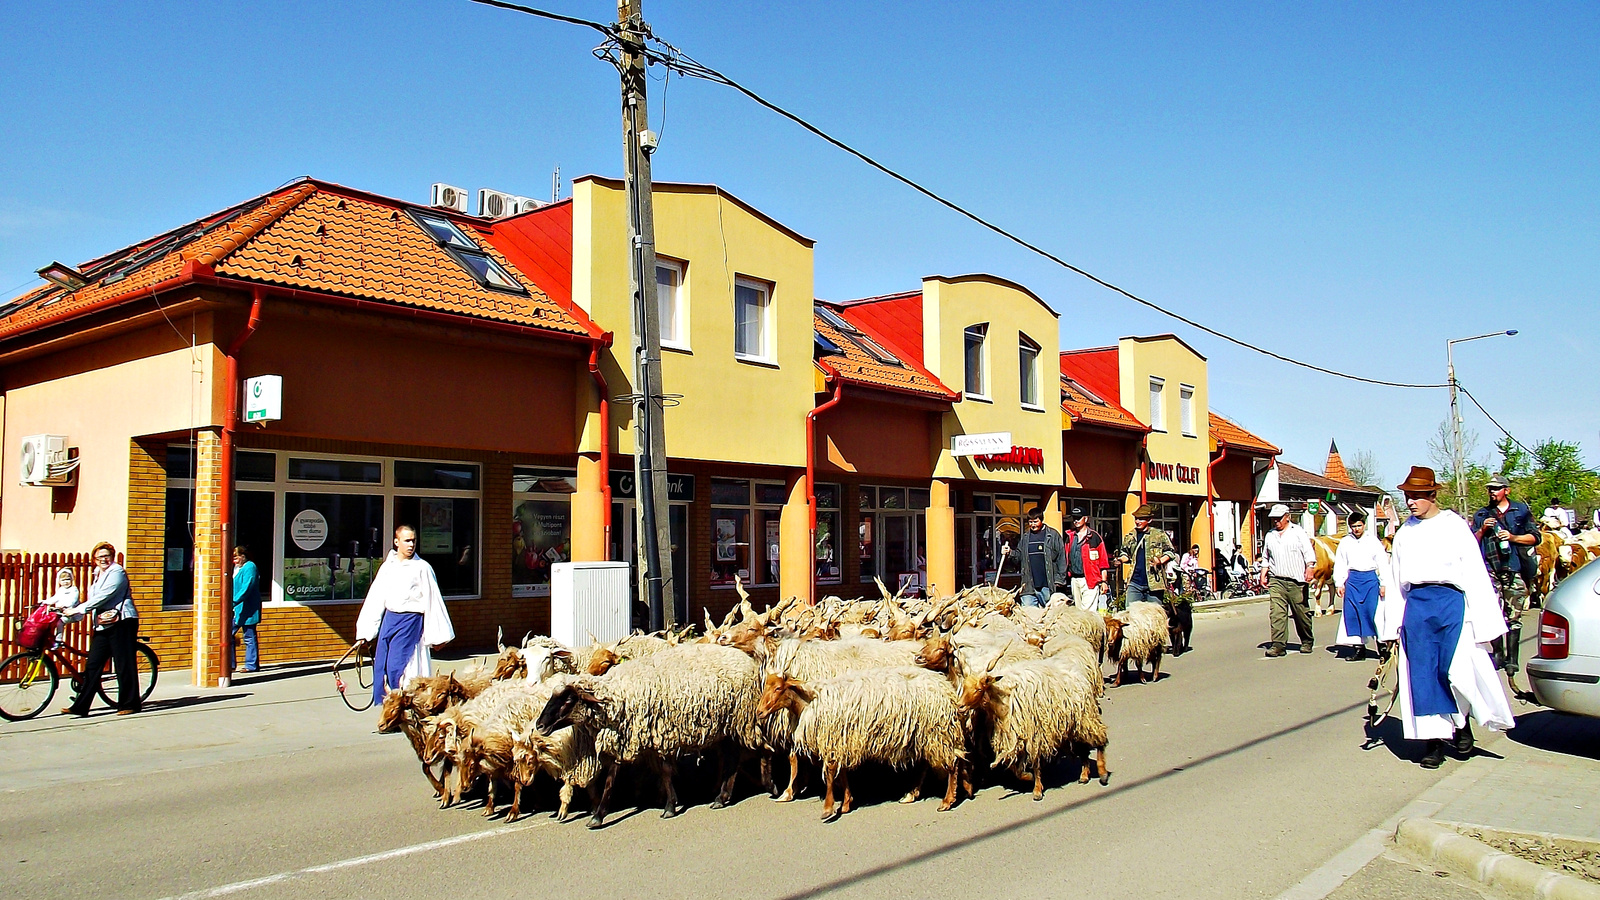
[(263, 398)]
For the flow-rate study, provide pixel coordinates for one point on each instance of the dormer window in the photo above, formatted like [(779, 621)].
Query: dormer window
[(483, 268)]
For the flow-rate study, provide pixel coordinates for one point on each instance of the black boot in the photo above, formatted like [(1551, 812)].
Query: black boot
[(1462, 744), (1434, 758)]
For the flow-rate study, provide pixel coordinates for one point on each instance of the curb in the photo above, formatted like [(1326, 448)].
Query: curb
[(1440, 843), (1232, 601)]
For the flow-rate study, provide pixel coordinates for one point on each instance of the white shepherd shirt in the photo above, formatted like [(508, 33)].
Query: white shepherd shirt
[(407, 586), (1441, 550), (1363, 554)]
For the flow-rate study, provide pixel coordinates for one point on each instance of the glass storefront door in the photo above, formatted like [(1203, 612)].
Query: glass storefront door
[(624, 547)]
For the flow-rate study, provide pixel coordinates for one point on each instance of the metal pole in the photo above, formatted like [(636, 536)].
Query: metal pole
[(1455, 424), (654, 538)]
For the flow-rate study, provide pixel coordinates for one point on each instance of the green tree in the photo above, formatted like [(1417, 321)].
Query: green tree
[(1364, 470), (1555, 471)]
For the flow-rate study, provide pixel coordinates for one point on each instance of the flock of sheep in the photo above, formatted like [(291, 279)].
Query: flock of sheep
[(945, 687)]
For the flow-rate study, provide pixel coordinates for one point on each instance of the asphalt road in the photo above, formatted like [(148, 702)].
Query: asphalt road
[(1233, 776)]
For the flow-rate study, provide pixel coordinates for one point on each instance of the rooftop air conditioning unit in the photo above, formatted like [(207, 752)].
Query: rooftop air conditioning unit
[(448, 196), (526, 204), (495, 204), (38, 452)]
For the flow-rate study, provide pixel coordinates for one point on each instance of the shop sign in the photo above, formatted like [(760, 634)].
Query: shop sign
[(263, 398), (308, 529), (1314, 507), (977, 444), (1027, 457), (1175, 472), (680, 488)]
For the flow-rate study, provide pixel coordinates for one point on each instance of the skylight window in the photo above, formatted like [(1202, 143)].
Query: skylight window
[(828, 347), (872, 347), (483, 268)]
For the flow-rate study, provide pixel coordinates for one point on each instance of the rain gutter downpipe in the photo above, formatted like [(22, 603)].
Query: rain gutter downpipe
[(1211, 503), (230, 417), (811, 469), (605, 437), (1144, 468)]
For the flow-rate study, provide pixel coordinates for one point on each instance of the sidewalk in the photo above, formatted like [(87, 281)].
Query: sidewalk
[(276, 711)]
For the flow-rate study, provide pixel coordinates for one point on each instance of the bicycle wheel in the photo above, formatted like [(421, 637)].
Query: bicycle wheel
[(28, 681), (1384, 686), (148, 664)]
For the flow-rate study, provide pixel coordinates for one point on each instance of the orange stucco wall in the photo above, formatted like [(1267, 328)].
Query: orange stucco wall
[(1099, 462), (348, 379), (882, 439)]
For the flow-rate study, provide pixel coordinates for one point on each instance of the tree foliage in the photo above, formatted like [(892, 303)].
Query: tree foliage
[(1554, 471), (1364, 470)]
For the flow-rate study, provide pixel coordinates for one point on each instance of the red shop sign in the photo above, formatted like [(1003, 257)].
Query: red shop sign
[(1017, 456)]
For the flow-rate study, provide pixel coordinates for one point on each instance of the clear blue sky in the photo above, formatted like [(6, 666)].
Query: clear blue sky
[(1350, 184)]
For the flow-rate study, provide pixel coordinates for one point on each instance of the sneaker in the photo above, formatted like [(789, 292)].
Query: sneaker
[(1275, 651), (1434, 758)]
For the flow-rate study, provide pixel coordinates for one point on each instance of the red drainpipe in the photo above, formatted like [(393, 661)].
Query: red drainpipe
[(1211, 505), (1144, 468), (811, 470), (605, 437), (225, 466)]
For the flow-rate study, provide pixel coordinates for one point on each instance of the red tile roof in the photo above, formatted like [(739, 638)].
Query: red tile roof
[(1089, 408), (1334, 468), (896, 317), (540, 244), (1294, 475), (857, 366), (1097, 368), (1228, 434), (317, 237)]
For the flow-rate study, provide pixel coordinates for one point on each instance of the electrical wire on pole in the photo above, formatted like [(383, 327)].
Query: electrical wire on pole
[(682, 63)]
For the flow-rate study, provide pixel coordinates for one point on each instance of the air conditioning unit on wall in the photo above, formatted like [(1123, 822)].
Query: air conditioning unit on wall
[(45, 460)]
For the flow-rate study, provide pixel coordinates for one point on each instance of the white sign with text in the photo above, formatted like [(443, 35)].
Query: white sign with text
[(975, 444)]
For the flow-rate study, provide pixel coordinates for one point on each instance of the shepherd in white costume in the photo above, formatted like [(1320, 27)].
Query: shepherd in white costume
[(404, 612), (1443, 615), (1362, 576)]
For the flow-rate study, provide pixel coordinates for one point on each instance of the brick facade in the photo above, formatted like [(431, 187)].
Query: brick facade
[(169, 631)]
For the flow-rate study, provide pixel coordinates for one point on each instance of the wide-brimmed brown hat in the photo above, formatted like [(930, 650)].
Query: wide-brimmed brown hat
[(1420, 481), (1146, 511)]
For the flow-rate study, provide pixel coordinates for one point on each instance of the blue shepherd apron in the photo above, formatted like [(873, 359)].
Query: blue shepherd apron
[(1429, 634), (1361, 604), (397, 641)]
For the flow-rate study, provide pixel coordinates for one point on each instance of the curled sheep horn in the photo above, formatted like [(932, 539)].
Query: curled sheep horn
[(738, 585), (710, 626), (996, 660), (500, 638), (881, 589)]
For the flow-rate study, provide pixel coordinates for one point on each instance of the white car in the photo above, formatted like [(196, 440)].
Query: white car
[(1566, 674)]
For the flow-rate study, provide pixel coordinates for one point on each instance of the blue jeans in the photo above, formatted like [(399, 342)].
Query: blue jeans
[(1142, 594), (251, 650), (1038, 598)]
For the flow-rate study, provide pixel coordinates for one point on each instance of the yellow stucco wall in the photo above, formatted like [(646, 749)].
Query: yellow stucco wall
[(730, 410), (1168, 358), (949, 307), (99, 410)]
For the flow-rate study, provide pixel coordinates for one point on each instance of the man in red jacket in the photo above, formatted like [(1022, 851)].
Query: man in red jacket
[(1086, 563)]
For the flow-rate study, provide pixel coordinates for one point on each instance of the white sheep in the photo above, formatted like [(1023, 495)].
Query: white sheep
[(1137, 635), (900, 717), (680, 700), (1035, 709)]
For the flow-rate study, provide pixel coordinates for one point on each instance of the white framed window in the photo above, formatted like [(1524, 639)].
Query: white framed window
[(672, 306), (752, 320), (1158, 418), (975, 341), (1028, 371), (1186, 408), (326, 521)]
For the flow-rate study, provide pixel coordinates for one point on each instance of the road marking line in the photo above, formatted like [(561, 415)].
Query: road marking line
[(253, 883)]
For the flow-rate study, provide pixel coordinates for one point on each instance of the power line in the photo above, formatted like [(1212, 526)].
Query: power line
[(1492, 419), (676, 59)]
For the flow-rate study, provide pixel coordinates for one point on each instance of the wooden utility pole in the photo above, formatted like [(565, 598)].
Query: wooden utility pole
[(653, 532)]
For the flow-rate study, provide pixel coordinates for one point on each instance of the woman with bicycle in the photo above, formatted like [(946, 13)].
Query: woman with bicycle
[(109, 602)]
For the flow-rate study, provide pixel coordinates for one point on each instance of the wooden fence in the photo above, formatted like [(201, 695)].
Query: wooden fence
[(27, 579)]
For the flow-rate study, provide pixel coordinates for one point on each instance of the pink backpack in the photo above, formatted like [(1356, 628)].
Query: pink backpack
[(39, 628)]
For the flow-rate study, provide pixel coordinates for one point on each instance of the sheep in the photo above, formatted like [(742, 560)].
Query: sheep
[(941, 650), (812, 661), (1136, 635), (565, 756), (900, 716), (399, 713), (1035, 709), (601, 657), (438, 691), (684, 699), (1070, 649), (1086, 623)]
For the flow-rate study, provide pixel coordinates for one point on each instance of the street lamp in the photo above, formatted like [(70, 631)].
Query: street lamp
[(1455, 410)]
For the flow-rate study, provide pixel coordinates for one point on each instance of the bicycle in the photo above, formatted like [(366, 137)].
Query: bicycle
[(29, 678)]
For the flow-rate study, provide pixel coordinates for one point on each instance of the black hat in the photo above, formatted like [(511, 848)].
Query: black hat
[(1078, 513)]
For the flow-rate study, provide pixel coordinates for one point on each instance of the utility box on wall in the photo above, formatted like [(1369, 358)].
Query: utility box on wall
[(590, 598)]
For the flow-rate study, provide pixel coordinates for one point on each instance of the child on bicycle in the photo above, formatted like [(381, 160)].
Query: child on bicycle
[(64, 601)]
